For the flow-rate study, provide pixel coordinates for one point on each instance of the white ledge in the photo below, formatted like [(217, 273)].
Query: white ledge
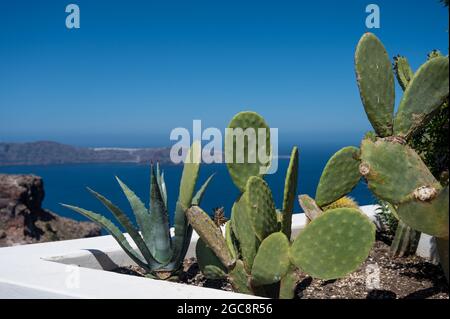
[(76, 269)]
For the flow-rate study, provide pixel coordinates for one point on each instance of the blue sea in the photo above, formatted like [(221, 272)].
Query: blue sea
[(67, 183)]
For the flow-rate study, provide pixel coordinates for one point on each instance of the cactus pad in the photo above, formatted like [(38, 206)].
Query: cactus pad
[(290, 190), (288, 283), (430, 217), (272, 260), (334, 244), (241, 223), (209, 264), (211, 234), (340, 176), (424, 94), (261, 207), (239, 279), (403, 71), (376, 83), (393, 171), (241, 172)]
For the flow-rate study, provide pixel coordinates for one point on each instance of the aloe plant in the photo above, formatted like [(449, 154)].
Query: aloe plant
[(255, 252), (160, 254)]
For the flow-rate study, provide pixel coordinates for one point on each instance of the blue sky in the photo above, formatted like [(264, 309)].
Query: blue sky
[(137, 69)]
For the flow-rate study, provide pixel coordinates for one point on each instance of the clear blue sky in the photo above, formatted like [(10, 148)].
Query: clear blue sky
[(137, 69)]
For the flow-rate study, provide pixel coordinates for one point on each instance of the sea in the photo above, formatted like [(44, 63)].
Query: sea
[(66, 183)]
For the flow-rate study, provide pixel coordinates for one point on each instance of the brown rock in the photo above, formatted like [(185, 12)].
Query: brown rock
[(24, 221)]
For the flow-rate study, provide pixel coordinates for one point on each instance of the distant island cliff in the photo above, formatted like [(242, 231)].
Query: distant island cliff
[(46, 153)]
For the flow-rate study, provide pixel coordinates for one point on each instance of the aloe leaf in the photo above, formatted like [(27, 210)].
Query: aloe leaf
[(199, 195), (140, 212), (127, 225), (161, 245), (114, 231)]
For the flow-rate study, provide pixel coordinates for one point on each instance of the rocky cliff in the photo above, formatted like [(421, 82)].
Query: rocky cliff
[(24, 221)]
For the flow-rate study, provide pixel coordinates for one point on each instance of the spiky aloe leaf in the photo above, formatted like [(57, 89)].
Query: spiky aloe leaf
[(197, 199), (210, 234), (115, 233), (209, 264), (430, 217), (290, 191), (261, 207), (334, 244), (241, 223), (403, 71), (288, 283), (161, 184), (161, 245), (376, 83), (339, 177), (239, 279), (128, 226), (242, 154), (272, 260), (183, 230), (424, 95), (140, 212), (393, 171)]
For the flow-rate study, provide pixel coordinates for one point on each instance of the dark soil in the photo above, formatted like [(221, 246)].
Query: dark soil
[(399, 278)]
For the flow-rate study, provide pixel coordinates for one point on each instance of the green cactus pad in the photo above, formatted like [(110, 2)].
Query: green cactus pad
[(393, 171), (403, 71), (430, 217), (272, 260), (241, 223), (261, 207), (334, 244), (339, 177), (241, 172), (209, 264), (290, 191), (239, 279), (376, 83), (210, 234), (424, 95), (309, 207), (288, 283), (230, 240)]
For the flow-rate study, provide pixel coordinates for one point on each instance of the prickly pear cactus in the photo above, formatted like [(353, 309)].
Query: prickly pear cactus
[(425, 94), (290, 191), (394, 171), (242, 159), (340, 176), (334, 244), (376, 83), (261, 259)]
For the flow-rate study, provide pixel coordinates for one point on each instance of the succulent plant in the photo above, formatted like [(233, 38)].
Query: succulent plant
[(255, 252), (393, 171), (343, 202), (161, 255)]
